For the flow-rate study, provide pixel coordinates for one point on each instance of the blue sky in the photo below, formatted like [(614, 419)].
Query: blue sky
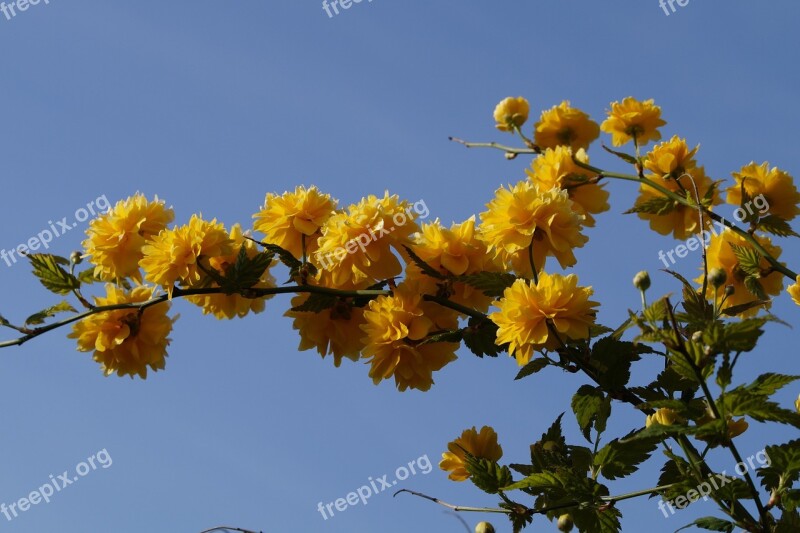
[(210, 105)]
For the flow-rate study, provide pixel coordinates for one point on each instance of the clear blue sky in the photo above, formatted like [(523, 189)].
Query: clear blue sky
[(211, 105)]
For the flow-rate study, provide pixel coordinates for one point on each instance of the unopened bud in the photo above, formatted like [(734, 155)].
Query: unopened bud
[(717, 277), (76, 258), (484, 527), (565, 523), (642, 280), (797, 404), (511, 155), (729, 290)]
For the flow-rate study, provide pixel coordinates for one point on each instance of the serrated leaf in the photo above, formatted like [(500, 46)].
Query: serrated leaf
[(789, 522), (711, 523), (749, 259), (284, 256), (425, 267), (537, 483), (534, 366), (769, 383), (776, 226), (480, 336), (47, 268), (487, 475), (490, 283), (612, 358), (41, 316), (617, 459), (592, 409), (247, 271), (657, 205), (742, 402), (87, 276), (783, 467), (755, 287)]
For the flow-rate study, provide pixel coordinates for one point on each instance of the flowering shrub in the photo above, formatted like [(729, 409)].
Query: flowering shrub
[(371, 284)]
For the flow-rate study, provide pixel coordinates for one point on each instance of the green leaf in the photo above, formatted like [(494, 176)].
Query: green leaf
[(625, 157), (789, 522), (743, 402), (487, 475), (711, 524), (657, 205), (87, 276), (425, 267), (617, 459), (284, 256), (537, 483), (480, 336), (783, 467), (47, 268), (41, 316), (657, 431), (246, 271), (749, 259), (612, 358), (769, 383), (534, 366), (752, 284), (734, 310), (490, 283), (776, 226), (592, 409), (316, 303)]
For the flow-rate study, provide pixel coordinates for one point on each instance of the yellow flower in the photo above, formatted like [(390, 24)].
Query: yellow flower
[(393, 327), (797, 404), (511, 113), (737, 427), (229, 306), (794, 291), (633, 119), (356, 245), (172, 256), (681, 221), (526, 214), (336, 330), (481, 445), (672, 158), (525, 310), (292, 217), (721, 255), (116, 238), (774, 184), (454, 252), (664, 416), (563, 125), (556, 168), (126, 342)]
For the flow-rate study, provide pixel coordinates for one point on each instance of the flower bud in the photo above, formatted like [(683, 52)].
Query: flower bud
[(729, 290), (797, 404), (484, 527), (565, 523), (717, 277), (642, 280), (664, 417), (511, 155), (76, 258)]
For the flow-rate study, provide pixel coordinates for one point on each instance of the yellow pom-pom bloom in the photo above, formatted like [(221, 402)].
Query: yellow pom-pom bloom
[(172, 256), (356, 245), (776, 186), (126, 342), (556, 168), (393, 327), (564, 125), (511, 113), (525, 310), (721, 255), (794, 291), (664, 417), (228, 306), (679, 220), (116, 238), (525, 214), (453, 251), (631, 119), (671, 158), (482, 445), (293, 217)]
